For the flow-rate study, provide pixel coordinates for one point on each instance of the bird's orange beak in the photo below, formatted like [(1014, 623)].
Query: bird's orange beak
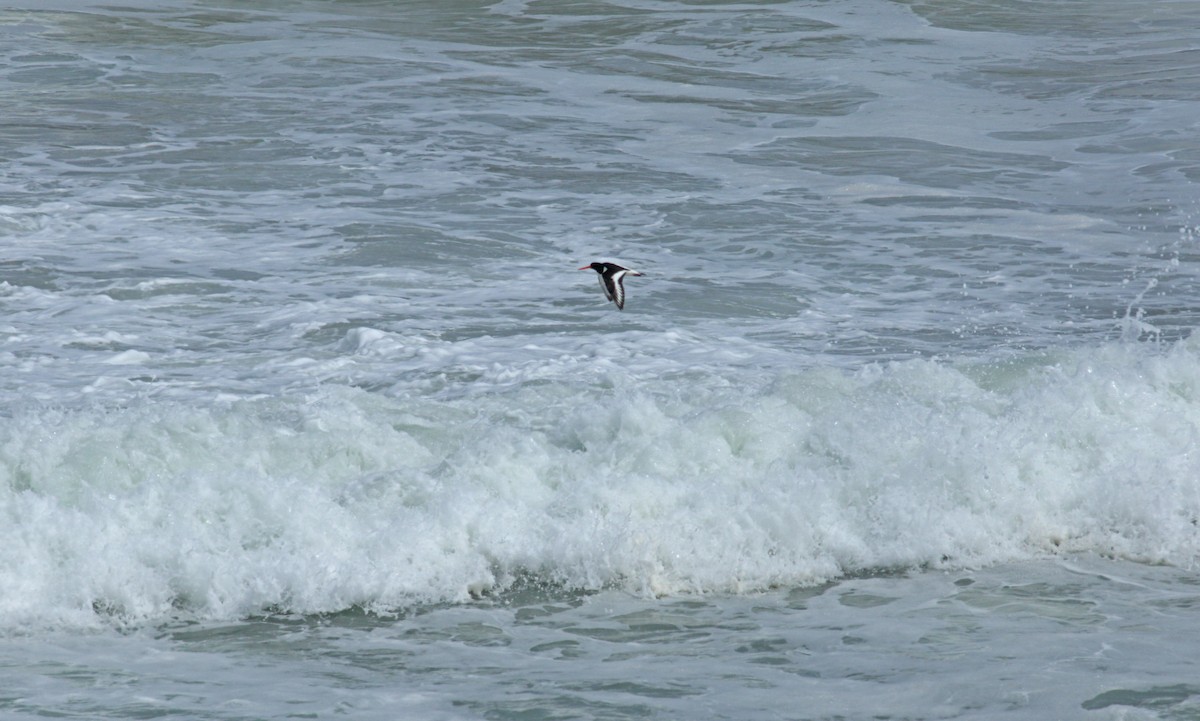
[(586, 267)]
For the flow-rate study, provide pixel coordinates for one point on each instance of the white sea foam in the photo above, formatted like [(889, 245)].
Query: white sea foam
[(347, 498), (289, 321)]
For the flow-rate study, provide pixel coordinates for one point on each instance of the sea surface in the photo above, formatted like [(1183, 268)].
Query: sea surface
[(307, 412)]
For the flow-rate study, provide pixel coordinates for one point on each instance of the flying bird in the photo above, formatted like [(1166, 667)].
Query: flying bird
[(612, 278)]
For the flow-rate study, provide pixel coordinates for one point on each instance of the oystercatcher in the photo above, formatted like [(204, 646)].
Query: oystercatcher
[(611, 277)]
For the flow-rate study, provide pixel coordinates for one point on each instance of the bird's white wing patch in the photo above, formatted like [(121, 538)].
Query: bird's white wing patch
[(604, 286)]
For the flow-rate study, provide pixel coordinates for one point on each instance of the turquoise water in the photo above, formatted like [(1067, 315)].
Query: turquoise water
[(1075, 638)]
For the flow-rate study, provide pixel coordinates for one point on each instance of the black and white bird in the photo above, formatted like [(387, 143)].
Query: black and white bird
[(612, 278)]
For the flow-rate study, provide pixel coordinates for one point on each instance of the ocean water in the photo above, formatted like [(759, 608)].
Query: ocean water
[(306, 412)]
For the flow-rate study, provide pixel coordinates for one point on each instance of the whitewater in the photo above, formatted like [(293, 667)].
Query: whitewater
[(307, 411)]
